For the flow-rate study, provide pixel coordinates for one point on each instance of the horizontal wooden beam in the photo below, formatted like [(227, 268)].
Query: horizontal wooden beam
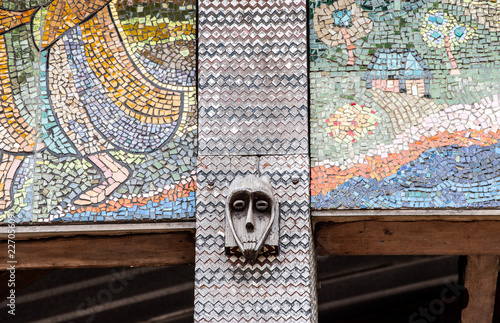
[(85, 251), (407, 215), (404, 236), (158, 244), (409, 212), (24, 232)]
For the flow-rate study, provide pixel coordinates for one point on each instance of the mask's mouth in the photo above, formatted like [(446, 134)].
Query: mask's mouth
[(249, 238), (249, 245), (249, 241)]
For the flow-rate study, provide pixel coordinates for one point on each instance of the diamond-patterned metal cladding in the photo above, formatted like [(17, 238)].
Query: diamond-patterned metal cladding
[(253, 77), (275, 288), (253, 101)]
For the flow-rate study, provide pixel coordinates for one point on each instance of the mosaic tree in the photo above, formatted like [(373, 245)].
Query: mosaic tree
[(341, 22), (440, 29), (486, 12), (384, 10), (351, 123)]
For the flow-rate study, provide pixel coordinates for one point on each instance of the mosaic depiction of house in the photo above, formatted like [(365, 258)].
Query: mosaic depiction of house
[(377, 148), (399, 70)]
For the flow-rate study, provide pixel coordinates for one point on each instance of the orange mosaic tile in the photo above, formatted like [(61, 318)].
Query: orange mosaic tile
[(134, 95), (10, 19), (112, 96), (61, 15), (180, 191)]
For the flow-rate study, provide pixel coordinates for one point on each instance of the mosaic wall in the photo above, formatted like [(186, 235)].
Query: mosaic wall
[(405, 109), (98, 118)]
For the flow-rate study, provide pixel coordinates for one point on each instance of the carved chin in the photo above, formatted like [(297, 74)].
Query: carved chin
[(250, 254)]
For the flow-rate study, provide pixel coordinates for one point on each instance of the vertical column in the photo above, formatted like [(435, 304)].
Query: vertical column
[(253, 120)]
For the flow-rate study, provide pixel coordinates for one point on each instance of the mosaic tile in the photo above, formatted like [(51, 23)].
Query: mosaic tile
[(424, 68), (99, 116)]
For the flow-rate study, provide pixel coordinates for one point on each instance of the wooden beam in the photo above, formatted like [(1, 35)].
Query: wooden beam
[(85, 251), (407, 237), (74, 246), (46, 230), (480, 280)]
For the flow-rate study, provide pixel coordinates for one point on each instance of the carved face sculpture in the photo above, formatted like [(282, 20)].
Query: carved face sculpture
[(251, 210)]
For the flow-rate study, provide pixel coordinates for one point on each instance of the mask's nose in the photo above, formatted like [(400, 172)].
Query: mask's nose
[(250, 222)]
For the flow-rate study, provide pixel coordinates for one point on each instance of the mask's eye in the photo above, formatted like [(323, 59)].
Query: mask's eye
[(261, 205), (239, 205)]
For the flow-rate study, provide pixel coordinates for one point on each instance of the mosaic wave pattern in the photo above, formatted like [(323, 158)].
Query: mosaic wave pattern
[(407, 114), (98, 120)]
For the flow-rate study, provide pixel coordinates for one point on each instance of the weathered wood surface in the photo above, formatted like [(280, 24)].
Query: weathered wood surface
[(253, 119), (480, 280), (396, 236), (85, 251), (24, 232)]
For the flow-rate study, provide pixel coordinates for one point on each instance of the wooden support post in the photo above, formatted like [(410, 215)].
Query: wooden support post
[(480, 280), (253, 120)]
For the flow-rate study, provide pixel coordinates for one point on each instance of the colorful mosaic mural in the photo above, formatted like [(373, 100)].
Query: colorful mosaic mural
[(405, 109), (99, 115)]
